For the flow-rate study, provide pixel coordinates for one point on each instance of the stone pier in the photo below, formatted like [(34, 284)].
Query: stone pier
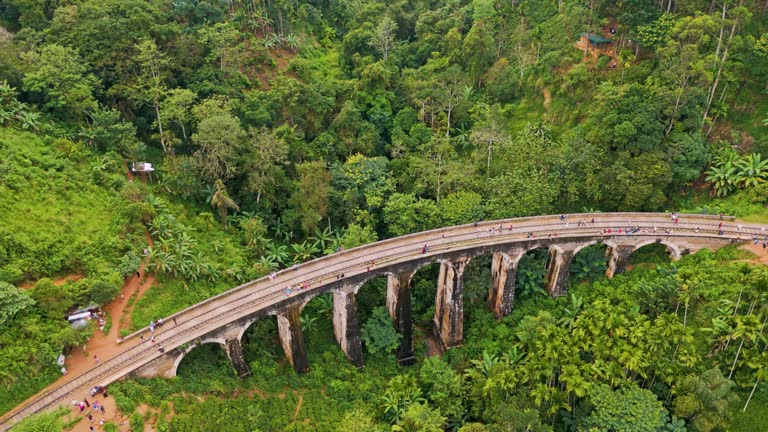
[(236, 356), (399, 306), (449, 303), (501, 296), (346, 327), (618, 258), (559, 269), (289, 328)]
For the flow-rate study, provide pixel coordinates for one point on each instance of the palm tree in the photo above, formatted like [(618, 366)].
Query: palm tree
[(158, 204), (208, 192), (322, 238), (292, 41), (753, 170), (277, 253), (277, 40), (222, 201), (303, 251), (572, 310), (746, 326), (196, 266), (282, 230), (308, 323), (461, 135), (723, 178), (266, 264), (160, 261), (334, 244), (625, 57), (161, 228), (704, 400), (486, 364), (6, 115), (760, 364), (271, 41), (28, 119), (324, 305)]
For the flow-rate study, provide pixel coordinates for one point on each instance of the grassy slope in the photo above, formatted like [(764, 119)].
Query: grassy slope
[(53, 216), (53, 219)]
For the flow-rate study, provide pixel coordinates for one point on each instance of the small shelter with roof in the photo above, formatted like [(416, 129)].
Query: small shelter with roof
[(143, 169), (595, 40)]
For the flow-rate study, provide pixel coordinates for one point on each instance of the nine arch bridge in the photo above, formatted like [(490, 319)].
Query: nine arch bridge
[(224, 319)]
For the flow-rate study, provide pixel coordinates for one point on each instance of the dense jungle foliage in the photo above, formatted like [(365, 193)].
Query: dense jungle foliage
[(282, 130)]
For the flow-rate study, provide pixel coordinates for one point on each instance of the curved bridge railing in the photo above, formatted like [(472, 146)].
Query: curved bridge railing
[(265, 293)]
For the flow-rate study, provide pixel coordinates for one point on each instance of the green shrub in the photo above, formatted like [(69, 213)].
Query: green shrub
[(129, 264), (102, 292), (137, 423), (47, 422), (11, 274)]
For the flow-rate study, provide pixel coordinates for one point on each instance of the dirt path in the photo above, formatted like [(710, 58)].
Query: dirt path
[(547, 98), (103, 346), (135, 294), (298, 405), (761, 255)]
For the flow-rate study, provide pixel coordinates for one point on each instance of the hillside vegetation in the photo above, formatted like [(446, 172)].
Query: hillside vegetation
[(283, 131)]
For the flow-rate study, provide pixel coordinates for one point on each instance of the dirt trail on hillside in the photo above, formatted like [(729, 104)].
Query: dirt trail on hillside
[(761, 255), (103, 346), (547, 98)]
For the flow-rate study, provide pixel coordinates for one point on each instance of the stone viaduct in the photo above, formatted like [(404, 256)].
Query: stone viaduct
[(224, 319)]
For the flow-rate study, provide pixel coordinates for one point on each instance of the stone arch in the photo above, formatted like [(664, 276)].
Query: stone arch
[(187, 350), (357, 286), (672, 249), (252, 320), (575, 273), (588, 244), (530, 249), (478, 277)]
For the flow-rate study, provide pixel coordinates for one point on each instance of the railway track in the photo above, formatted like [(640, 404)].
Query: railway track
[(263, 294)]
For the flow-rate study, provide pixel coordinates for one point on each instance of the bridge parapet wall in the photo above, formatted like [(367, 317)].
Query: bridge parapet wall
[(396, 256)]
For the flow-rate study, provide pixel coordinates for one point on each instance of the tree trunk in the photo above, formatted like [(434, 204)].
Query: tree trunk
[(156, 103), (488, 166), (754, 387), (735, 359), (674, 113), (713, 89), (183, 131), (720, 37), (448, 128)]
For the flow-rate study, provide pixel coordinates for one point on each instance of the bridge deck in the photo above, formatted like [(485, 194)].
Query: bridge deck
[(202, 318)]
